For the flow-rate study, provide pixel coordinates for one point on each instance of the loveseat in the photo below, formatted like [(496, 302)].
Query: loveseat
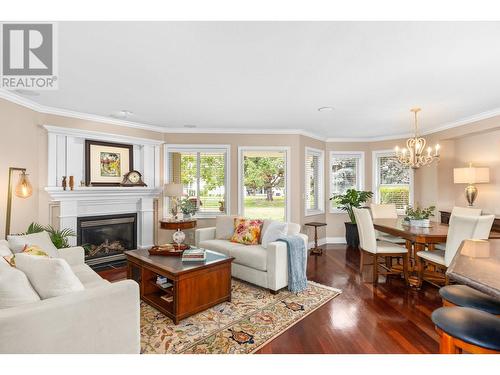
[(102, 318), (265, 266)]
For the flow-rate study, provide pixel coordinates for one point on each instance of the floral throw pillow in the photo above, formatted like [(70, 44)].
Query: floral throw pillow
[(28, 249), (247, 231)]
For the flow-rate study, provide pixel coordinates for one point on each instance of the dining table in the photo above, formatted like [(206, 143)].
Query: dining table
[(417, 238), (477, 264)]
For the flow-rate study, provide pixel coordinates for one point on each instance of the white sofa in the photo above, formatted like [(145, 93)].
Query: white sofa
[(103, 318), (265, 267)]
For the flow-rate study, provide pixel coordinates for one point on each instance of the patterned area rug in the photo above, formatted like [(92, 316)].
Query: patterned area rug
[(250, 320)]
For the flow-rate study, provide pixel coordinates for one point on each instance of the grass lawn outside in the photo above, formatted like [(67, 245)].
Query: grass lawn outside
[(256, 207)]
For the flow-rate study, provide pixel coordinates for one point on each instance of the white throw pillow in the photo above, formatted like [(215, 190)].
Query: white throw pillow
[(274, 230), (4, 250), (15, 289), (224, 227), (51, 277), (42, 240)]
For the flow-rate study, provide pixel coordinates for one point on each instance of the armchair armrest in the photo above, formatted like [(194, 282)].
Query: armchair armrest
[(204, 234), (73, 255), (104, 319)]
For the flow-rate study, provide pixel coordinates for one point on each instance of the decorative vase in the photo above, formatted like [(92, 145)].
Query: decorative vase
[(64, 184), (71, 182), (179, 237), (351, 235)]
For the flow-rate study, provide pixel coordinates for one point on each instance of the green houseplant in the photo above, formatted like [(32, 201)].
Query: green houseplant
[(59, 237), (419, 217), (352, 198)]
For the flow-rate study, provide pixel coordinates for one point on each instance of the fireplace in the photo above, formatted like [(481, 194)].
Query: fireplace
[(106, 237)]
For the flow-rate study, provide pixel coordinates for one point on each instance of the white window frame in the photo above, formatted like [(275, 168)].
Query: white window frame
[(288, 185), (360, 178), (169, 148), (376, 180), (321, 182)]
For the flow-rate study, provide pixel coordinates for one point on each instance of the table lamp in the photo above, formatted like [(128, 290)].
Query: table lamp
[(470, 176), (174, 191), (23, 190)]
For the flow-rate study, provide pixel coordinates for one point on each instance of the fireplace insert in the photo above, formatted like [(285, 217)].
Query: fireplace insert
[(106, 237)]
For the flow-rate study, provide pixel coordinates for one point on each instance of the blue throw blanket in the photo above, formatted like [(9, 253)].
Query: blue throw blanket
[(297, 254)]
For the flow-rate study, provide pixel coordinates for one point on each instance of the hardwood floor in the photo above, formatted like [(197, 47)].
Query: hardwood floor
[(389, 318)]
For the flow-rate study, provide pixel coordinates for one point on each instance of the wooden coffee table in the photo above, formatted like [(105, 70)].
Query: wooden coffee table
[(196, 285)]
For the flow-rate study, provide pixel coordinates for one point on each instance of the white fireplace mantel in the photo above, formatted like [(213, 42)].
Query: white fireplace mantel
[(66, 158)]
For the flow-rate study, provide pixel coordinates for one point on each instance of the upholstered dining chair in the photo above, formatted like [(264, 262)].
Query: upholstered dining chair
[(461, 211), (461, 228), (386, 211), (377, 249)]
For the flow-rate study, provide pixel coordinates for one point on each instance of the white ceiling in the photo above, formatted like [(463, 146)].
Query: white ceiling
[(275, 75)]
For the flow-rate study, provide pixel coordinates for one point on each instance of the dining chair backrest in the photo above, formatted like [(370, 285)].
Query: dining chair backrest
[(384, 211), (367, 237), (461, 228), (483, 227), (466, 211)]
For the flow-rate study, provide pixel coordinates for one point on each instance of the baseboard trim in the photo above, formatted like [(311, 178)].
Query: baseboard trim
[(328, 240)]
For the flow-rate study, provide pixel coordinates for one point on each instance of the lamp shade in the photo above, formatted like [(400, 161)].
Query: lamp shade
[(23, 187), (471, 175), (173, 190)]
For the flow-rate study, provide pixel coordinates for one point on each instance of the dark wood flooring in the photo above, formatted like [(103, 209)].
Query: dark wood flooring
[(388, 318)]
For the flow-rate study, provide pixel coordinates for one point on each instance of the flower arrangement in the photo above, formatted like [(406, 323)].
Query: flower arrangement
[(187, 207)]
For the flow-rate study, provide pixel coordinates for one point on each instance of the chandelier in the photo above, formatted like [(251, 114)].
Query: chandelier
[(414, 154)]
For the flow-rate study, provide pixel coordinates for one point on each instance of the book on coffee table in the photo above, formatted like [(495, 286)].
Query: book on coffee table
[(194, 255)]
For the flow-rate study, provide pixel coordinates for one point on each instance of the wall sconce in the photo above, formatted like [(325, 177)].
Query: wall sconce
[(23, 190)]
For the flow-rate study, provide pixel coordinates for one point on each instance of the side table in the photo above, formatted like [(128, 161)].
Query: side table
[(178, 225), (316, 250)]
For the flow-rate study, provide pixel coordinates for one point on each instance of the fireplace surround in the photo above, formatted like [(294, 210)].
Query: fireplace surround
[(106, 237)]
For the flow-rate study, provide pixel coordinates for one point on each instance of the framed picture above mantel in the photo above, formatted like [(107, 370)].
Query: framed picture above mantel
[(106, 163)]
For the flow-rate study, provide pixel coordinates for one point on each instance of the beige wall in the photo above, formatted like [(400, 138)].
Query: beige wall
[(24, 144)]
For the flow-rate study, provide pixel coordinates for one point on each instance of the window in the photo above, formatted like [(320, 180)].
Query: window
[(346, 172), (393, 182), (263, 183), (314, 187), (203, 172)]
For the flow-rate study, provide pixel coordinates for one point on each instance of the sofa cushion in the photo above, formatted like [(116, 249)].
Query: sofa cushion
[(274, 230), (293, 229), (247, 231), (221, 246), (224, 227), (254, 256), (15, 289), (4, 248), (87, 276), (51, 277), (41, 239)]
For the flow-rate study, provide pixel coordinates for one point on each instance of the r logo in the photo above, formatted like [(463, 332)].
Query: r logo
[(28, 49)]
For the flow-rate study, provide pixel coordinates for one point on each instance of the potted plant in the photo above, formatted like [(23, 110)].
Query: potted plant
[(419, 217), (188, 208), (346, 202), (58, 237)]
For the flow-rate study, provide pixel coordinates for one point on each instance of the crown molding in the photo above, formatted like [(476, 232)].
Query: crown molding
[(17, 99), (14, 98)]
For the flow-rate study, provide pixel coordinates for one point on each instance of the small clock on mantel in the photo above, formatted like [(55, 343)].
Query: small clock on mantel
[(133, 178)]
